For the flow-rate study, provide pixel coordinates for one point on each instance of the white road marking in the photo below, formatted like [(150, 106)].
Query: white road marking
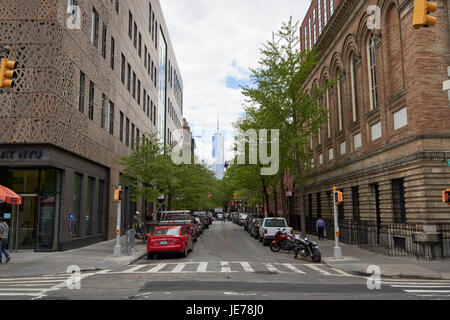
[(316, 268), (427, 291), (225, 267), (202, 267), (19, 294), (136, 268), (293, 268), (418, 286), (246, 266), (157, 268), (272, 268), (179, 268), (19, 289)]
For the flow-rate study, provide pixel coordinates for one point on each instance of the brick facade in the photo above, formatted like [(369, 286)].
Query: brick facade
[(410, 68)]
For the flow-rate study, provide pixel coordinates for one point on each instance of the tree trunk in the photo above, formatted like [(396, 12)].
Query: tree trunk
[(266, 197), (275, 200)]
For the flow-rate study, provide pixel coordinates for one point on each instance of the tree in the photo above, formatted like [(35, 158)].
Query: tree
[(279, 100)]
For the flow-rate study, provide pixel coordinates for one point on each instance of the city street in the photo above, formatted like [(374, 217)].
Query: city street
[(226, 264)]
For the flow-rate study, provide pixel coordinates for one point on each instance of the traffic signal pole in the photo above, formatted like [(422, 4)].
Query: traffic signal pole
[(118, 197), (337, 200)]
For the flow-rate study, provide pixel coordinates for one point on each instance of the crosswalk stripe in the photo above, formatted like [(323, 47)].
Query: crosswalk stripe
[(12, 294), (316, 268), (427, 291), (341, 272), (2, 280), (136, 268), (157, 268), (202, 267), (293, 268), (179, 268), (272, 268), (39, 281), (417, 286), (225, 267), (246, 266), (19, 289)]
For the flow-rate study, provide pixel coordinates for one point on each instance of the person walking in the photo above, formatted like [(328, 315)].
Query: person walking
[(320, 228), (136, 222), (4, 231)]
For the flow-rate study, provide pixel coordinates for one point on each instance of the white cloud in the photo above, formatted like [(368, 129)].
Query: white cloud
[(216, 39)]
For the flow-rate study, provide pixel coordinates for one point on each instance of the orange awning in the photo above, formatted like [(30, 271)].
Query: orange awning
[(8, 196)]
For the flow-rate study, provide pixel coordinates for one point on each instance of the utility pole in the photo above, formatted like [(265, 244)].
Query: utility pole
[(338, 199)]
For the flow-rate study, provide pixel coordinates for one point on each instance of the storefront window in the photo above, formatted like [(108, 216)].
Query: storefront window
[(75, 216)]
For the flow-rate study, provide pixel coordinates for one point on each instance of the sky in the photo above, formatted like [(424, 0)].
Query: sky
[(215, 43)]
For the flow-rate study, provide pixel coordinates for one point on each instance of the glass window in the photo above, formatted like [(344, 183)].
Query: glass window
[(127, 132), (101, 206), (400, 118), (122, 71), (130, 25), (376, 131), (81, 92), (354, 84), (94, 27), (91, 100), (331, 154), (357, 143), (103, 118), (372, 75), (104, 32), (90, 205), (112, 54), (111, 118), (343, 146), (121, 127), (167, 232), (276, 223)]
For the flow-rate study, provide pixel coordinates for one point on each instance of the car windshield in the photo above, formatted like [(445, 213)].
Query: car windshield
[(277, 223), (244, 216), (167, 232)]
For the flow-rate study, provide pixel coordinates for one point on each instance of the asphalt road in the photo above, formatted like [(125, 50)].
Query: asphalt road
[(226, 264)]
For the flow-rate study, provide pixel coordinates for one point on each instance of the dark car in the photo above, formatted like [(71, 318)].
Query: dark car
[(204, 217), (254, 227), (247, 221)]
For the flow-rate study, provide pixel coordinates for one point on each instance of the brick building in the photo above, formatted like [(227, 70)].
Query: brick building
[(387, 141), (93, 77)]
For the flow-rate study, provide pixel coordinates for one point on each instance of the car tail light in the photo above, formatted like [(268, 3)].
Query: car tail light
[(292, 231), (265, 231)]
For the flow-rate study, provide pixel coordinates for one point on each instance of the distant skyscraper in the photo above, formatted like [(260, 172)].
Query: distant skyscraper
[(218, 153)]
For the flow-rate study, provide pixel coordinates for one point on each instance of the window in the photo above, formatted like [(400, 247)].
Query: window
[(121, 127), (320, 16), (354, 84), (398, 201), (104, 32), (129, 77), (130, 25), (331, 7), (112, 53), (90, 203), (145, 56), (331, 154), (103, 117), (339, 102), (372, 74), (91, 100), (343, 147), (376, 131), (144, 98), (355, 203), (139, 92), (81, 92), (400, 118), (117, 6), (310, 35), (122, 71), (314, 26), (321, 159), (94, 27), (111, 118), (357, 143), (137, 138), (132, 136), (325, 12), (134, 85), (140, 45), (127, 133), (327, 97), (319, 205), (135, 36)]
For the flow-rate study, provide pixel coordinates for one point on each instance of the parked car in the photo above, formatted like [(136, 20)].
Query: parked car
[(182, 218), (199, 224), (247, 220), (220, 217), (203, 217), (254, 227), (270, 227), (242, 217), (165, 239)]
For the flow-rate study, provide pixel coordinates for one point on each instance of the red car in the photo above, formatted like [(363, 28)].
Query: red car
[(168, 239)]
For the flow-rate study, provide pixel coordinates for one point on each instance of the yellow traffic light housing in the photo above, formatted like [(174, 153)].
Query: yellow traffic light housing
[(422, 8), (338, 196), (7, 73), (118, 195), (446, 197)]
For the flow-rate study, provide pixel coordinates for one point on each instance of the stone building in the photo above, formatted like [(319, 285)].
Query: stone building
[(387, 141), (94, 76)]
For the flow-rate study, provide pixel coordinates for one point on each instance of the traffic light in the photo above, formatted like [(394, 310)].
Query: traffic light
[(118, 195), (210, 196), (422, 8), (338, 196), (446, 197), (7, 73)]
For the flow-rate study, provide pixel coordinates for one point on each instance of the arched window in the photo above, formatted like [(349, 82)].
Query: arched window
[(327, 100), (339, 101), (372, 74), (354, 84)]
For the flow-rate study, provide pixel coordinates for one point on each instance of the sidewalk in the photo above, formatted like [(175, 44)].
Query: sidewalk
[(99, 256), (356, 261)]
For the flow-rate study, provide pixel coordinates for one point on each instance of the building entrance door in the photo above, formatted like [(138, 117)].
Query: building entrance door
[(24, 223)]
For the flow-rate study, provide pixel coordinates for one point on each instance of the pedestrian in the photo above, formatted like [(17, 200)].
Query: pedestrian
[(320, 227), (4, 230), (136, 222)]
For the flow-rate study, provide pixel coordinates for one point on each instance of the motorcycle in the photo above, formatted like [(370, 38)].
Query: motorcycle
[(306, 248), (283, 241)]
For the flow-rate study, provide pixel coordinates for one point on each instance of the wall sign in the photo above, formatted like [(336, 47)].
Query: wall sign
[(17, 155)]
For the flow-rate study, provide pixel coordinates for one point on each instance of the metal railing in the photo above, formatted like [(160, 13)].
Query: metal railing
[(130, 242), (392, 239)]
